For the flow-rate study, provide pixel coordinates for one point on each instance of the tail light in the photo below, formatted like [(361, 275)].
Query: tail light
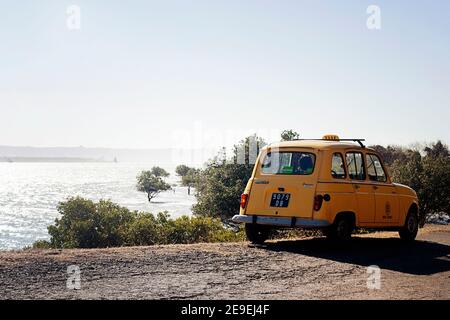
[(318, 199), (244, 199)]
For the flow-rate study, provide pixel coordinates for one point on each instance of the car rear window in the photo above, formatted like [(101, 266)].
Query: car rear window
[(293, 163), (375, 169)]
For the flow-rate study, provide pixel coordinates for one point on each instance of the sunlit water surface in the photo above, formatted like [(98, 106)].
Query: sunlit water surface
[(30, 193)]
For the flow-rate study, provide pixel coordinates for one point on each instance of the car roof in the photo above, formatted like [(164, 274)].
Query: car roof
[(317, 144)]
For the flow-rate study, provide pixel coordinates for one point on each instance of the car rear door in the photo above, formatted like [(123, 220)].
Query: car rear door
[(364, 192)]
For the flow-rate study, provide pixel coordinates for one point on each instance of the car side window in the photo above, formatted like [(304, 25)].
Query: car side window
[(355, 166), (375, 169), (371, 171), (337, 166)]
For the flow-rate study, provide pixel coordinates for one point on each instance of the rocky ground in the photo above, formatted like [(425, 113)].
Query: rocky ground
[(311, 268)]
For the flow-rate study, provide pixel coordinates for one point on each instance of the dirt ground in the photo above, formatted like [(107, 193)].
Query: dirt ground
[(311, 268)]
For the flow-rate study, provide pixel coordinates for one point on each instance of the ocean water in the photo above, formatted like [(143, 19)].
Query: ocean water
[(30, 193)]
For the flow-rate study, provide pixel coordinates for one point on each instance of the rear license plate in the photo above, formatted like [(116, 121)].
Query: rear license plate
[(280, 200)]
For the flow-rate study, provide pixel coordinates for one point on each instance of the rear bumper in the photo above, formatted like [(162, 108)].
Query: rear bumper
[(280, 221)]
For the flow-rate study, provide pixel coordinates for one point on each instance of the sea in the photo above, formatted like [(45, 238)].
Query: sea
[(30, 193)]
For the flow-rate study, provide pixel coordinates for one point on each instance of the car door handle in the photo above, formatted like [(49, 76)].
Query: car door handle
[(355, 186), (375, 187)]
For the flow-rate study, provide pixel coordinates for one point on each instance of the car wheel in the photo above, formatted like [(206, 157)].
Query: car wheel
[(409, 231), (341, 230), (256, 233)]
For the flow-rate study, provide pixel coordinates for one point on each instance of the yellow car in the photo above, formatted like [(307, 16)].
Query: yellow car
[(332, 184)]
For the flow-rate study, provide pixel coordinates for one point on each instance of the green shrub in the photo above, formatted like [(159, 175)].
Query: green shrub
[(42, 244), (199, 229), (86, 224), (144, 230)]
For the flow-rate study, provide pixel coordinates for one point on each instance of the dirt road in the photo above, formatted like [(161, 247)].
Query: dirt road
[(300, 269)]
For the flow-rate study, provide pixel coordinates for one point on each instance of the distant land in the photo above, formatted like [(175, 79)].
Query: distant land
[(46, 159), (83, 154)]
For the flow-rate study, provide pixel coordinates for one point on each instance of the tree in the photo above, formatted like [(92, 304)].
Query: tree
[(188, 175), (159, 172), (182, 170), (190, 179), (289, 135), (246, 151), (152, 182), (392, 153), (437, 149), (429, 176), (220, 185)]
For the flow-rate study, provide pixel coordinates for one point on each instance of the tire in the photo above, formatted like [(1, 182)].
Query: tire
[(256, 233), (341, 230), (409, 231)]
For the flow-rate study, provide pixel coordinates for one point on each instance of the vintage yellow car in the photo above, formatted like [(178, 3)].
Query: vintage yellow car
[(332, 184)]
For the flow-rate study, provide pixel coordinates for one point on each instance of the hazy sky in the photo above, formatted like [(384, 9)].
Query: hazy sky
[(151, 73)]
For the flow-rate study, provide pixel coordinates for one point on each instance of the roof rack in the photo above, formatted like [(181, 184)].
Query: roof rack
[(359, 141)]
